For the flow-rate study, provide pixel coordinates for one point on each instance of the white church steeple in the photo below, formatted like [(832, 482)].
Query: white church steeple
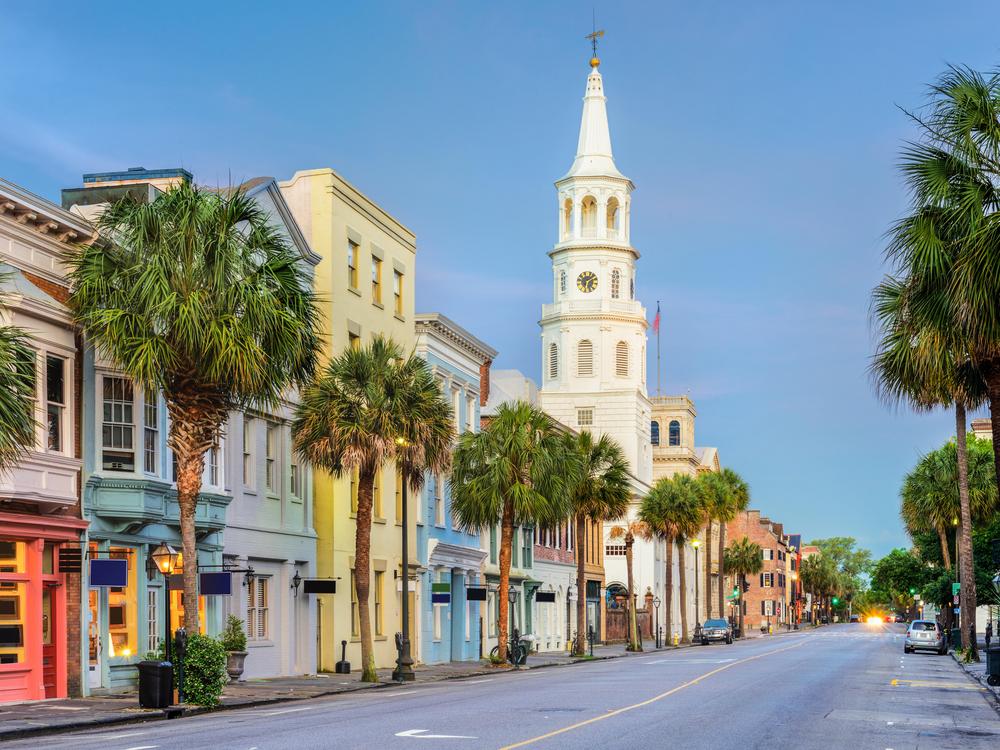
[(593, 150)]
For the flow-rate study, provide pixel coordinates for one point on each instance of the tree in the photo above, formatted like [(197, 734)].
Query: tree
[(196, 295), (733, 499), (367, 408), (820, 577), (900, 574), (17, 393), (849, 562), (600, 491), (515, 471), (672, 510), (628, 532), (743, 558)]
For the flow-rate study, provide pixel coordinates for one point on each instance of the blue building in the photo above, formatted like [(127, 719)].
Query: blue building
[(450, 559)]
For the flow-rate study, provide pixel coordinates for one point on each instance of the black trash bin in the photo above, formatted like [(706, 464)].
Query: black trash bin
[(156, 684), (993, 666), (956, 638)]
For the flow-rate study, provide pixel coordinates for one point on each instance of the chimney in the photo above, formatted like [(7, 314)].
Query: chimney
[(484, 382)]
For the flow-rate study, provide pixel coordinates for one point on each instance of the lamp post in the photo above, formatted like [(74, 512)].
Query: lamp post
[(404, 664), (795, 600), (696, 543), (167, 560), (656, 604)]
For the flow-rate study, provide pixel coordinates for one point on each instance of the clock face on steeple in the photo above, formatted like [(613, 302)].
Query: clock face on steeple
[(586, 282)]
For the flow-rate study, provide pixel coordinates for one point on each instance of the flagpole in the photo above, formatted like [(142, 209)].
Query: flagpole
[(658, 348)]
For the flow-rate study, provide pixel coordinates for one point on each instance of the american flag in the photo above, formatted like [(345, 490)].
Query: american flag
[(656, 320)]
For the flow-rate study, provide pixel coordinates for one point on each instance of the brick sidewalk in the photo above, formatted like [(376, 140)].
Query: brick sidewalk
[(46, 717)]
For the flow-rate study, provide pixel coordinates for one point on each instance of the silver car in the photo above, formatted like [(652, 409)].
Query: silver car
[(926, 635)]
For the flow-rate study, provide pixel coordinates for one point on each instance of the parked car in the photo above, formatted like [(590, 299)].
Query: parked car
[(925, 635), (716, 630), (899, 618), (855, 618)]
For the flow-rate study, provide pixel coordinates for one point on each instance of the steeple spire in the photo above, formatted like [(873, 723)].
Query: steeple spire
[(593, 150)]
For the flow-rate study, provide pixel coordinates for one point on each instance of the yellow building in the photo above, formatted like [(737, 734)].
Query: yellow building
[(365, 286)]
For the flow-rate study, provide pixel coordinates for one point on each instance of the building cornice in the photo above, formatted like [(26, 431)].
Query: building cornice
[(578, 246), (449, 330), (618, 317)]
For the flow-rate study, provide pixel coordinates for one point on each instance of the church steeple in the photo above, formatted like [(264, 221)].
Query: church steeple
[(593, 150)]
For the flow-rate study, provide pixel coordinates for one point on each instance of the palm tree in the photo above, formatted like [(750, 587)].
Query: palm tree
[(367, 408), (743, 558), (600, 492), (196, 295), (672, 510), (737, 500), (515, 471), (628, 532), (17, 392)]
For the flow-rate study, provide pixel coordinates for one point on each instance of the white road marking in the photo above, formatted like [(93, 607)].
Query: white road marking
[(419, 734), (63, 708), (289, 711), (476, 682), (142, 747), (689, 661)]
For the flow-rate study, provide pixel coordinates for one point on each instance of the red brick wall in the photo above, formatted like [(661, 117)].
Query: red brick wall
[(552, 553), (764, 533), (484, 382)]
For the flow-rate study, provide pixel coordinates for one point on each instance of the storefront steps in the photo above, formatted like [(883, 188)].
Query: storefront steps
[(64, 715)]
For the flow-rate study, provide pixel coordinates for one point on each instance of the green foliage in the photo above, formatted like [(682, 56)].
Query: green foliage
[(204, 670), (898, 572), (744, 557), (673, 508), (234, 636), (17, 391), (601, 490)]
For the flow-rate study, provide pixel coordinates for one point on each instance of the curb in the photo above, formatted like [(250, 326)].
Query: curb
[(993, 692)]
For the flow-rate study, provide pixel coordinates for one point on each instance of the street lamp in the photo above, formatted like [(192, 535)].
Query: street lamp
[(656, 603), (404, 664), (696, 543), (168, 561)]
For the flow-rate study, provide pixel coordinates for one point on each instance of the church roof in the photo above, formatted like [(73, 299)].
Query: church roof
[(593, 150)]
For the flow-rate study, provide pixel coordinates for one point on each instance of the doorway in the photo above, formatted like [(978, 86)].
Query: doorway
[(94, 639)]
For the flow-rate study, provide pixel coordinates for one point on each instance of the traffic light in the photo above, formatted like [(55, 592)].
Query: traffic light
[(913, 590), (836, 601), (736, 591)]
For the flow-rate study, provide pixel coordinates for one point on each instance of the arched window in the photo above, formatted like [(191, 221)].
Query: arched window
[(675, 432), (553, 361), (562, 282), (567, 217), (616, 283), (585, 358), (588, 210), (654, 432), (621, 359), (613, 218)]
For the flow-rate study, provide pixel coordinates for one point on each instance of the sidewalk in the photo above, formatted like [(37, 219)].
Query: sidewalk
[(977, 670), (48, 717)]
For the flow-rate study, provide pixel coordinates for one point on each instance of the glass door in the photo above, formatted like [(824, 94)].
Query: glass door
[(94, 654)]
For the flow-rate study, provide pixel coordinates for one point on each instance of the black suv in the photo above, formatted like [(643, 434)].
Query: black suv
[(716, 630)]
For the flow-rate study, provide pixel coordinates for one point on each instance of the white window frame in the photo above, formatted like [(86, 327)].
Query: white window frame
[(125, 428), (439, 519), (272, 450), (57, 407), (585, 417), (151, 433), (249, 475), (258, 593), (153, 619)]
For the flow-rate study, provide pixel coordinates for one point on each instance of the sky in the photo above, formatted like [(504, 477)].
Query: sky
[(763, 140)]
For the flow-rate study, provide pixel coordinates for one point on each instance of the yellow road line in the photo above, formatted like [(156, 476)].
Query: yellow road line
[(934, 684), (648, 701)]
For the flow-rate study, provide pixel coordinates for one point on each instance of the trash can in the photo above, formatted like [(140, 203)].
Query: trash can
[(993, 666), (956, 638), (156, 684)]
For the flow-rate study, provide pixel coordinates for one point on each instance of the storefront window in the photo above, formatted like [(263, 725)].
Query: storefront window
[(13, 602), (123, 609), (177, 610)]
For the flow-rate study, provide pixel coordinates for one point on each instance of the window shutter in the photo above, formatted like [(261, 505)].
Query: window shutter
[(621, 359), (585, 358), (553, 361), (763, 610), (616, 280), (762, 580)]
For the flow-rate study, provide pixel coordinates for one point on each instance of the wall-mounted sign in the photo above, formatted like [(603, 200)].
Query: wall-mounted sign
[(476, 593), (216, 584), (440, 593), (545, 596), (319, 586), (112, 573)]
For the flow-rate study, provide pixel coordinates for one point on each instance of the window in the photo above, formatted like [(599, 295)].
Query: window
[(354, 491), (248, 451), (491, 613), (767, 554), (513, 548), (378, 599), (585, 417), (562, 282), (654, 432), (355, 616), (399, 497), (295, 480), (616, 283), (123, 608), (493, 544), (397, 292), (257, 608), (352, 264), (353, 341), (612, 216), (55, 397), (674, 432), (567, 218), (621, 359), (150, 433), (438, 501), (214, 461), (589, 215), (456, 405), (376, 280), (585, 358), (766, 580), (614, 550), (470, 413), (526, 550), (117, 428), (152, 620), (767, 608), (377, 495), (569, 536), (553, 361), (271, 457)]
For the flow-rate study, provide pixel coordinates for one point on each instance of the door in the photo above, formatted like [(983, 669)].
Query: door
[(94, 640), (49, 640)]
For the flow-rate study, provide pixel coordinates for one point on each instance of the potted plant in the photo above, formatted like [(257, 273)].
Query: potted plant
[(234, 641)]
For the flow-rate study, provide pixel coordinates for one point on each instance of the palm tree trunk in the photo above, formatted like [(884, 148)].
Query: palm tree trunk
[(362, 571), (967, 594), (634, 644), (579, 644), (722, 571), (682, 584), (945, 551), (668, 619), (708, 571), (506, 540)]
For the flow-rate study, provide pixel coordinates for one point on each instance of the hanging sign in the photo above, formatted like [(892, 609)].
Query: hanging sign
[(440, 593), (475, 593), (319, 586), (112, 573), (545, 597), (216, 584)]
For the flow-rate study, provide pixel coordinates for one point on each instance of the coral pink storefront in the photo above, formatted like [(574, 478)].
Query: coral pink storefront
[(33, 605)]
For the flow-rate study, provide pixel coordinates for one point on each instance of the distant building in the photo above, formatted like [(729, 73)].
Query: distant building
[(765, 603)]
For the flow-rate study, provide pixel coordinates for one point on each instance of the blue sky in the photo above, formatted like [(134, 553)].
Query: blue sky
[(762, 138)]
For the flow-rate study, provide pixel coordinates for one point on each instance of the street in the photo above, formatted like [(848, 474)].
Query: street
[(842, 686)]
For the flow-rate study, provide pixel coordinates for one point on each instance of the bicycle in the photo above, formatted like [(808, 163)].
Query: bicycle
[(517, 651)]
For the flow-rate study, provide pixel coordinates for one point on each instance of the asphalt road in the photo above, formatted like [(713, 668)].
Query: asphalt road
[(846, 686)]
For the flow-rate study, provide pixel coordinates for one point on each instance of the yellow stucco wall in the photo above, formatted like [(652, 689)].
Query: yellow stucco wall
[(331, 213)]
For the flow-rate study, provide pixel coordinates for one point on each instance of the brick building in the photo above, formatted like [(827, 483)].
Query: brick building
[(766, 601)]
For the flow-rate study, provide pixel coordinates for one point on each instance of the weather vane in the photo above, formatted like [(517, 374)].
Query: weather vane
[(593, 37)]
